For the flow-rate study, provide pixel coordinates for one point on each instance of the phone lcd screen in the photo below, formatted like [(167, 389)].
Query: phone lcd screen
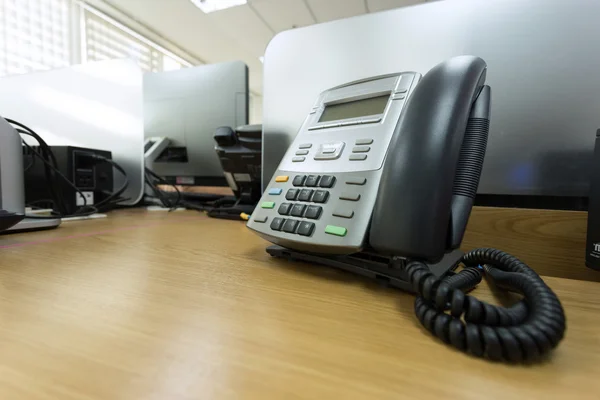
[(354, 109)]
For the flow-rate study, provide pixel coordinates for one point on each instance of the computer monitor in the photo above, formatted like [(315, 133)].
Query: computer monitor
[(186, 107)]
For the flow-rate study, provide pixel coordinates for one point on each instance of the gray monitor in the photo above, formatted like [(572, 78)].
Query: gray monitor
[(187, 106), (543, 68)]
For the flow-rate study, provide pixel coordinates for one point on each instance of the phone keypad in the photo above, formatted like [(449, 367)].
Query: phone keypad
[(298, 216)]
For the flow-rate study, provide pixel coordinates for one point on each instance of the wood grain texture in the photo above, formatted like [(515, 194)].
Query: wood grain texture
[(178, 306), (550, 241)]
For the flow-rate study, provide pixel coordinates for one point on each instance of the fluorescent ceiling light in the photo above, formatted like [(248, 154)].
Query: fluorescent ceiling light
[(209, 6)]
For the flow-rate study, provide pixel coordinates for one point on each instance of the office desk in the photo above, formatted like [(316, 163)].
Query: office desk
[(179, 306)]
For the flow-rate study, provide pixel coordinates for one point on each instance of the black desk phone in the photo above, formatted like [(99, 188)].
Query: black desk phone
[(381, 179)]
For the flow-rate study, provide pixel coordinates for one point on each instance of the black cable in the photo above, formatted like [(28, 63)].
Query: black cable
[(111, 200), (31, 163), (166, 202), (50, 167), (228, 207), (524, 332), (44, 203), (196, 206), (160, 194), (163, 181)]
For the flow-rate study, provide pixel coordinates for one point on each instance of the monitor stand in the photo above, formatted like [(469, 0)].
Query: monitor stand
[(34, 224), (385, 270), (9, 219)]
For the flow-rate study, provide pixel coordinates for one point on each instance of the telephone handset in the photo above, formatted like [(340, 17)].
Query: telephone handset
[(390, 165), (428, 185)]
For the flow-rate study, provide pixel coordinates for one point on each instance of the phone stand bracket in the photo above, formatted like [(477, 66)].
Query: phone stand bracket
[(382, 269)]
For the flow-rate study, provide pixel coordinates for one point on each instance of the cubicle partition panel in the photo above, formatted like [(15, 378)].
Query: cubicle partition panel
[(96, 105), (542, 68)]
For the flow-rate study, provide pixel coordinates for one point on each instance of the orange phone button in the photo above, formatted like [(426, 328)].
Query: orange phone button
[(282, 178)]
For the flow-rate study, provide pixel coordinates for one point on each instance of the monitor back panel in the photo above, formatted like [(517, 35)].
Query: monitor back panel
[(187, 106)]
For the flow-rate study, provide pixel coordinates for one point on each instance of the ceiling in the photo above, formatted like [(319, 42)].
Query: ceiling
[(243, 32)]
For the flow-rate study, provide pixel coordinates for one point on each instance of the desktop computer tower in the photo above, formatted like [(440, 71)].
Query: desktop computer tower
[(92, 177), (592, 254)]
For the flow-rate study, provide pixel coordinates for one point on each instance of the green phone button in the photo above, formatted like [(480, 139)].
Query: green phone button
[(336, 230), (268, 204)]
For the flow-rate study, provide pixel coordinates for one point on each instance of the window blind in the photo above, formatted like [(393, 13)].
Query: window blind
[(34, 35), (44, 34), (105, 41)]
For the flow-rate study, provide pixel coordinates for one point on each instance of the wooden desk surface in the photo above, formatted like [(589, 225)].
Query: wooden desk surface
[(179, 306)]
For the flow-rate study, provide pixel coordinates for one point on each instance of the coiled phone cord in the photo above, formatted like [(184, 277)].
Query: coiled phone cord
[(523, 332)]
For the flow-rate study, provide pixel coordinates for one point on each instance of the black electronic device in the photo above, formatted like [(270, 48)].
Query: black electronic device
[(240, 152), (87, 173), (381, 179), (592, 252)]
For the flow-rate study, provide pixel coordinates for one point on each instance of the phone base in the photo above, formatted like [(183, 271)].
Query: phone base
[(371, 265)]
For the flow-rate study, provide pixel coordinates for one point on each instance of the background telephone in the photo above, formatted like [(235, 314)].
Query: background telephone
[(389, 166)]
